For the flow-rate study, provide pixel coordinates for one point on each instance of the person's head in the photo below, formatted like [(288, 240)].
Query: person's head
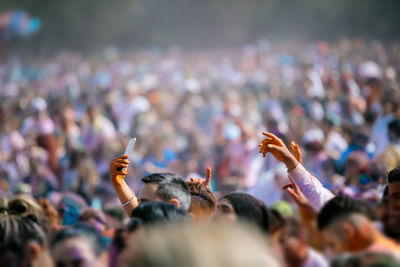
[(345, 225), (365, 259), (392, 222), (159, 213), (23, 205), (22, 241), (69, 208), (199, 245), (355, 163), (166, 187), (293, 241), (79, 245), (244, 207), (360, 139), (394, 130), (95, 218), (203, 202)]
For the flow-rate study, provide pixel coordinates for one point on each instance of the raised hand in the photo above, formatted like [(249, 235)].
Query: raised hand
[(206, 182), (278, 149), (307, 213), (296, 151), (118, 170)]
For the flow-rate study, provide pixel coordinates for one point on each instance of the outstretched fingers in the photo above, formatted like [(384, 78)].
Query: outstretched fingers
[(208, 176)]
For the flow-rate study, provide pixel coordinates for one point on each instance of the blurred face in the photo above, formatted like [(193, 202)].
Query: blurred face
[(332, 241), (148, 193), (393, 210), (294, 249), (76, 252), (225, 211)]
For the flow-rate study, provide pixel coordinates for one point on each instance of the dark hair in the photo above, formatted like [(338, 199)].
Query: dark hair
[(15, 232), (159, 212), (394, 175), (133, 225), (170, 186), (84, 231), (394, 126), (254, 210), (202, 197), (294, 228), (385, 194), (341, 206)]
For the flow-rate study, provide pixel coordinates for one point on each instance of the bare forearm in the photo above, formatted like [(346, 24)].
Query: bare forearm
[(124, 194), (290, 162)]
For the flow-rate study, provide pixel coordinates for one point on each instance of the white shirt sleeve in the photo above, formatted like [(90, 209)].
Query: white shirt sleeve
[(311, 187)]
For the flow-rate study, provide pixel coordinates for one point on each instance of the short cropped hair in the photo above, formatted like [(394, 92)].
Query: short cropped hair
[(202, 197), (394, 175), (85, 231), (339, 207), (159, 213), (170, 186)]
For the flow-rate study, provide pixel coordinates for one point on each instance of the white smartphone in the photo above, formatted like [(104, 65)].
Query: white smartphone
[(130, 145), (129, 148)]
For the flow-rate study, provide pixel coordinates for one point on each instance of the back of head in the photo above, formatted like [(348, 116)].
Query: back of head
[(294, 228), (84, 231), (15, 233), (170, 186), (394, 175), (25, 205), (340, 207), (159, 213), (365, 259), (202, 199), (199, 245), (253, 210)]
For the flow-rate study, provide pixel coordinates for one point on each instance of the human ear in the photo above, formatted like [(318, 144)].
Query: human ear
[(33, 250), (175, 202), (348, 230)]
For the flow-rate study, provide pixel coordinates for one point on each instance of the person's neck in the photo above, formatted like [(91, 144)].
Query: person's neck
[(377, 237), (364, 239)]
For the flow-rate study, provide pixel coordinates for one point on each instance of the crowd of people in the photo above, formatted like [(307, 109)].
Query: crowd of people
[(299, 147)]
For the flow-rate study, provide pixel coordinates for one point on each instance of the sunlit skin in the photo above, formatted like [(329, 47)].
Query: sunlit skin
[(332, 242), (77, 252), (148, 193), (206, 181), (343, 236), (294, 249), (225, 211), (274, 145)]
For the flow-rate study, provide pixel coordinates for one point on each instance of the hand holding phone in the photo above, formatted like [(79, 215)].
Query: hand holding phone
[(128, 149)]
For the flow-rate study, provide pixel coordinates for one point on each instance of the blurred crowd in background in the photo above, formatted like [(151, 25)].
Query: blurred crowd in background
[(63, 119)]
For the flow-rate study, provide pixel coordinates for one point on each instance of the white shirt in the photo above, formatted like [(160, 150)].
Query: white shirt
[(311, 187)]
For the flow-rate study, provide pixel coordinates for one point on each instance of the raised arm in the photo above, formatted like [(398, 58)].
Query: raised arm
[(127, 198), (309, 185)]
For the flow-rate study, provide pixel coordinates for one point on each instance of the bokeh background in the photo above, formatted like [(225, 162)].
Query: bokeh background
[(197, 82)]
